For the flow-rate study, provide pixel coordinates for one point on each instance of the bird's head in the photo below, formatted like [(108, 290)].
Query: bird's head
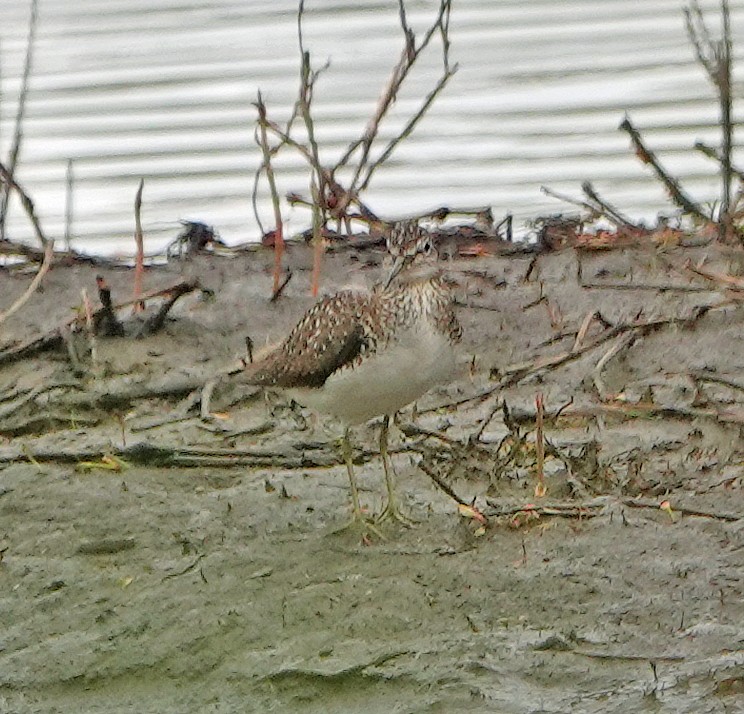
[(409, 244)]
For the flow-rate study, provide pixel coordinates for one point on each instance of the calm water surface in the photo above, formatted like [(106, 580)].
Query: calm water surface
[(163, 90)]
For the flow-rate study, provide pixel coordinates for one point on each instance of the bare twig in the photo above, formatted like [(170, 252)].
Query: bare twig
[(606, 208), (20, 114), (518, 372), (585, 325), (409, 54), (263, 141), (328, 195), (730, 282), (623, 342), (318, 246), (280, 288), (657, 288), (408, 128), (540, 489), (672, 185), (592, 210), (439, 481), (717, 379), (139, 240), (317, 182), (715, 58), (715, 154), (599, 506), (31, 289), (90, 329), (28, 204)]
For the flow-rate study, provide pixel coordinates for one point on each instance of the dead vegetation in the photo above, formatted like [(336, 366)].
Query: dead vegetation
[(336, 193)]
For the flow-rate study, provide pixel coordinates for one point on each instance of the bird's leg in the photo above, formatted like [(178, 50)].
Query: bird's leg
[(347, 454), (392, 509), (358, 518)]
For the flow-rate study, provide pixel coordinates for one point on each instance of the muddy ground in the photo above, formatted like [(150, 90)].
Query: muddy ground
[(208, 576)]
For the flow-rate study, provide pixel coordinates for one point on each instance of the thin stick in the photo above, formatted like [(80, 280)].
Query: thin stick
[(317, 247), (28, 204), (728, 281), (409, 54), (581, 334), (280, 288), (31, 289), (20, 114), (139, 264), (328, 178), (715, 58), (90, 327), (307, 80), (279, 226), (672, 185), (723, 84), (439, 481), (519, 372), (608, 209), (713, 153), (717, 379), (622, 343), (593, 212), (409, 127), (598, 506), (540, 489)]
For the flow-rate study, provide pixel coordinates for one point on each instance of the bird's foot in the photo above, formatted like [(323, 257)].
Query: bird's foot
[(363, 524), (392, 511)]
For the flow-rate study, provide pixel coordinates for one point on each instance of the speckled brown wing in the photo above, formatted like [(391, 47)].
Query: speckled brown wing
[(329, 336)]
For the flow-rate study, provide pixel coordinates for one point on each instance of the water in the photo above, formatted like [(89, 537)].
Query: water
[(131, 89)]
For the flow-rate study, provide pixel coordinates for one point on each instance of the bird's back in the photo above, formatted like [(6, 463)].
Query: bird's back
[(357, 356)]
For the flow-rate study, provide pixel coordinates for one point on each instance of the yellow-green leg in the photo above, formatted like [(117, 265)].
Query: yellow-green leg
[(391, 510), (348, 456), (358, 517)]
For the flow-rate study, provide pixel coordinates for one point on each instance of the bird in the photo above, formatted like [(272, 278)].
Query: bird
[(361, 355)]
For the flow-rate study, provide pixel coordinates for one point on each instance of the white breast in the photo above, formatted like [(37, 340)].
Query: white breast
[(398, 374)]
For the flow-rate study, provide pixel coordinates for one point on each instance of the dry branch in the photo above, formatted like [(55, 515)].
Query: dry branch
[(328, 196), (607, 209), (715, 58), (54, 338), (409, 54), (263, 142), (600, 506), (593, 211), (18, 131), (28, 205), (33, 286), (518, 372), (623, 342), (713, 153), (139, 240), (723, 280), (672, 185), (318, 182)]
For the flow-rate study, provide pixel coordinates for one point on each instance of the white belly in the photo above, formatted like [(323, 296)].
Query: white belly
[(384, 382)]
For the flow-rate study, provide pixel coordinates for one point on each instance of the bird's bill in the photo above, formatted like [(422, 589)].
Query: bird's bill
[(397, 266)]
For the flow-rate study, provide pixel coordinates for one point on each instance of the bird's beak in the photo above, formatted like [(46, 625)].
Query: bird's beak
[(397, 266)]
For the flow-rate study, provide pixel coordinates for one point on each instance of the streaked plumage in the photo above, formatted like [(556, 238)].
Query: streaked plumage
[(357, 356)]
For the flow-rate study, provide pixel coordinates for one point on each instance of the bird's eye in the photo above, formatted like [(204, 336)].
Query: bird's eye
[(427, 247)]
